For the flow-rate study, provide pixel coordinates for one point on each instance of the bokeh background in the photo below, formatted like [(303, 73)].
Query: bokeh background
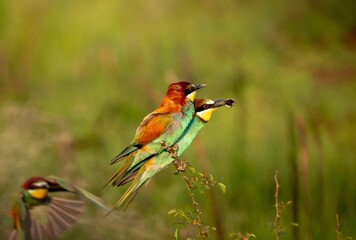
[(77, 77)]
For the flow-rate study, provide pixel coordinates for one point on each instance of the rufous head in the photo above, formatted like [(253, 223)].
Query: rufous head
[(183, 90)]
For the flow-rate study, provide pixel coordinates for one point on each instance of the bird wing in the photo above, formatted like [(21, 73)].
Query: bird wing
[(46, 221), (50, 221), (59, 183), (21, 219), (151, 127)]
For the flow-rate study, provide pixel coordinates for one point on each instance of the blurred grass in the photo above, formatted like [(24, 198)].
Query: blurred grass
[(77, 77)]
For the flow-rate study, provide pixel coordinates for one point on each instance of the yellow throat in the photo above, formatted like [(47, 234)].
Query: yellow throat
[(206, 114), (191, 96), (38, 193)]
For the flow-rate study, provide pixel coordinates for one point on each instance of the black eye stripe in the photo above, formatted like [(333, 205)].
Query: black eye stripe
[(204, 107), (37, 187)]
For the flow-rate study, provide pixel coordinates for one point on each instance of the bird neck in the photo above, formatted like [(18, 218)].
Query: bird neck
[(173, 103), (35, 197), (206, 114)]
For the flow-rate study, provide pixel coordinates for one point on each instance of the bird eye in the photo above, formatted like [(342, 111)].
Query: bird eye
[(205, 106)]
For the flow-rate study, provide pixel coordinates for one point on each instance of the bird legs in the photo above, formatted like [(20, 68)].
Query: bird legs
[(181, 165)]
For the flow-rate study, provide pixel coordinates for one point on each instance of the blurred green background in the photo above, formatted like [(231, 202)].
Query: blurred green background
[(77, 77)]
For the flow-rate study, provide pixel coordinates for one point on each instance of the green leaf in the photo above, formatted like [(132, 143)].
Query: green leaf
[(232, 235), (172, 211), (192, 169), (222, 187), (176, 233), (294, 224)]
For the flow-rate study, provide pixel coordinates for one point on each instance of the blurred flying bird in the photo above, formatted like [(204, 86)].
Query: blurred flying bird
[(38, 216), (142, 172), (167, 123)]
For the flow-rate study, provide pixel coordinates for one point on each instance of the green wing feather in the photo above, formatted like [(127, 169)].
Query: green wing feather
[(141, 177), (136, 159), (127, 151), (82, 193), (20, 215)]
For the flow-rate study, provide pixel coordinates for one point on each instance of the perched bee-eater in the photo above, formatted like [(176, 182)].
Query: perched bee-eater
[(166, 123), (142, 173), (38, 216)]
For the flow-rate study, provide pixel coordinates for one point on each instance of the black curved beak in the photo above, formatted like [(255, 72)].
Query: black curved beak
[(228, 102), (194, 87)]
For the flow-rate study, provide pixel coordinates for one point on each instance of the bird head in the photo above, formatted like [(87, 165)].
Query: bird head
[(37, 187), (183, 90), (205, 107)]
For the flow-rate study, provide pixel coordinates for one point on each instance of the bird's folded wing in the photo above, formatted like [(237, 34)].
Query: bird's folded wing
[(153, 126)]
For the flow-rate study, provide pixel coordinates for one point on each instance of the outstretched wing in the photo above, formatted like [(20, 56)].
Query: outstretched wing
[(52, 220), (59, 183), (47, 221)]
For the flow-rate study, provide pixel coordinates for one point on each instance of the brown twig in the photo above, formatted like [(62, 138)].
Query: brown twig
[(337, 227), (197, 219), (215, 207), (181, 166), (277, 218)]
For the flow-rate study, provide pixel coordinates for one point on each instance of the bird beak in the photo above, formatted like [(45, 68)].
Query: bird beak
[(228, 102), (198, 86), (192, 88)]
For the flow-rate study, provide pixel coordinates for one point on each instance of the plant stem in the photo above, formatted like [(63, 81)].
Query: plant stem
[(181, 166), (276, 219), (197, 219)]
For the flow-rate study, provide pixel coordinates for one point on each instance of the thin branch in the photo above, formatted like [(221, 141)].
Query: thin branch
[(181, 167), (337, 227), (277, 218)]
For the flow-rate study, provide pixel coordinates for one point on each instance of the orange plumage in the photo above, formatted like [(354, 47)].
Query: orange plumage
[(165, 124), (157, 122)]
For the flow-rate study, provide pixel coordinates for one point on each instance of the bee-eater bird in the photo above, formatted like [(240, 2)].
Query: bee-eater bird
[(38, 216), (166, 123), (142, 173)]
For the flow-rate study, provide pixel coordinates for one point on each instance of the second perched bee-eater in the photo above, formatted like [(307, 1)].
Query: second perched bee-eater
[(38, 216), (142, 173), (166, 123)]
